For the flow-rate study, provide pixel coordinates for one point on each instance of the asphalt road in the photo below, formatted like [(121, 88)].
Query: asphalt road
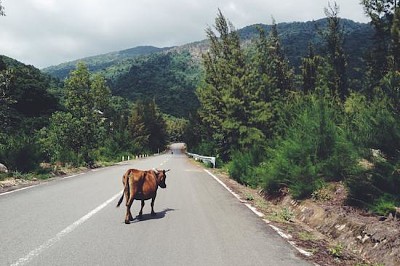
[(74, 221)]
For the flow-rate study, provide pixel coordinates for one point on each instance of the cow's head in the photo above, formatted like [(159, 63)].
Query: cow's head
[(161, 176)]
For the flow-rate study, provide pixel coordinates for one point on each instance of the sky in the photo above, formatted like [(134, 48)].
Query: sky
[(49, 32)]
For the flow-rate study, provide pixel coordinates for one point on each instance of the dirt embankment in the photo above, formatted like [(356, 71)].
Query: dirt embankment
[(330, 232)]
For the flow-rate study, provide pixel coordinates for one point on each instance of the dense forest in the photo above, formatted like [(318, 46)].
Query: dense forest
[(280, 130), (284, 106)]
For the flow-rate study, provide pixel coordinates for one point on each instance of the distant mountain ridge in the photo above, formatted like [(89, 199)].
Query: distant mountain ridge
[(295, 37), (102, 61), (171, 75)]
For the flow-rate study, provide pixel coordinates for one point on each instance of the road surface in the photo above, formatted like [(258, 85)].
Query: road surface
[(74, 221)]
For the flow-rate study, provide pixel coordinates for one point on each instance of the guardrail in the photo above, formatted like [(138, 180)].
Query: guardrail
[(202, 158)]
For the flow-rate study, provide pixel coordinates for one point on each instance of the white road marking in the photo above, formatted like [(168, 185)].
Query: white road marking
[(259, 214), (225, 186), (37, 251), (16, 190)]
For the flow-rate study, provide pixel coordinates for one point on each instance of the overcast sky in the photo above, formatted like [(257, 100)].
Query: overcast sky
[(50, 32)]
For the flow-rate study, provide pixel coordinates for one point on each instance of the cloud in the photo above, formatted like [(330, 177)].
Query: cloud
[(48, 32)]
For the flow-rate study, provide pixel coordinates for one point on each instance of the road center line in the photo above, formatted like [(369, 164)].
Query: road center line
[(36, 252)]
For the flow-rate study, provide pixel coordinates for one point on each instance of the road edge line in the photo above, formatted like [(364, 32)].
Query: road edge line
[(261, 215)]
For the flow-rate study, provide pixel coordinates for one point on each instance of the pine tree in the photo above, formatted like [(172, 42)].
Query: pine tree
[(309, 70), (381, 13), (336, 57), (223, 94), (278, 67)]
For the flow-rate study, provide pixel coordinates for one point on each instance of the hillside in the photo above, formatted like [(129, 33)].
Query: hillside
[(171, 75), (103, 61)]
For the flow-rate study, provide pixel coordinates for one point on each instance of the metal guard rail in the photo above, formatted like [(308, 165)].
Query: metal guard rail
[(202, 158)]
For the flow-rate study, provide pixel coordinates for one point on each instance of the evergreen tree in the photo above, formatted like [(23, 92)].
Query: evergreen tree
[(2, 13), (309, 70), (395, 42), (147, 127), (278, 67), (336, 57), (223, 94), (381, 13)]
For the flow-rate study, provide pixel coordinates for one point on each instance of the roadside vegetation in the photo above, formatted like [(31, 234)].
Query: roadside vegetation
[(278, 130), (274, 124)]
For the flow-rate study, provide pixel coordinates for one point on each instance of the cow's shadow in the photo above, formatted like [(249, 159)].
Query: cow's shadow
[(148, 216)]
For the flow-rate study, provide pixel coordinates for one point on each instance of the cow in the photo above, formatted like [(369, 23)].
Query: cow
[(141, 185)]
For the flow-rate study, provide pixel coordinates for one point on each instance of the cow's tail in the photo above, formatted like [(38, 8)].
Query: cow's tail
[(120, 200), (126, 189)]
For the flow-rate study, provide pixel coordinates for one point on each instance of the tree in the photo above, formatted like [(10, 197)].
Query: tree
[(382, 15), (6, 99), (278, 67), (75, 133), (336, 57), (147, 127), (2, 13), (309, 70), (222, 95)]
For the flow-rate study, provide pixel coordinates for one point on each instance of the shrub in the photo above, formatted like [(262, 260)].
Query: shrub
[(243, 164), (20, 153), (384, 205), (313, 149)]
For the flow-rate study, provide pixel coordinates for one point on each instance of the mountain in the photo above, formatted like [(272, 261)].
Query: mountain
[(103, 61), (171, 75), (30, 101)]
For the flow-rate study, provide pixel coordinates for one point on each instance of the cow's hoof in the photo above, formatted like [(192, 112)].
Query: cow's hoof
[(153, 214), (127, 222)]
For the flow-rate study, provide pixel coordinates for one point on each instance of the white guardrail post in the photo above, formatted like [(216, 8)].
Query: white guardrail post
[(202, 158)]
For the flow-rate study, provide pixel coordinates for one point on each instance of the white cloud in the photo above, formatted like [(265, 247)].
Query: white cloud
[(47, 32)]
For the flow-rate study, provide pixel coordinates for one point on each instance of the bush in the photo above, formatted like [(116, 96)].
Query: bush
[(242, 167), (384, 205), (313, 149), (291, 166), (20, 153)]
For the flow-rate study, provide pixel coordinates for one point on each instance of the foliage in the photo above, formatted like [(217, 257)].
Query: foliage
[(176, 128), (243, 166), (169, 79), (313, 148), (74, 134), (20, 153), (385, 205), (147, 127)]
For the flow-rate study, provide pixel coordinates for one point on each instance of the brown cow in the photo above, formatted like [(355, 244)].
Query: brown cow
[(141, 185)]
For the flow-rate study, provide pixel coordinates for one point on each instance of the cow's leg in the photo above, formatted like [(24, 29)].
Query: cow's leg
[(128, 216), (152, 205), (141, 209)]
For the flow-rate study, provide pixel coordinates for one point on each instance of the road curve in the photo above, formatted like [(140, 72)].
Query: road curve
[(74, 221)]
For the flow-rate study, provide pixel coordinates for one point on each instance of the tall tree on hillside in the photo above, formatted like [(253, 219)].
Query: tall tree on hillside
[(309, 70), (395, 42), (2, 13), (222, 94), (6, 99), (78, 130), (278, 67), (230, 108), (147, 127), (381, 13), (270, 79), (336, 57)]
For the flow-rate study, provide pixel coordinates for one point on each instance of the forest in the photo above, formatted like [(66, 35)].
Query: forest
[(276, 118)]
